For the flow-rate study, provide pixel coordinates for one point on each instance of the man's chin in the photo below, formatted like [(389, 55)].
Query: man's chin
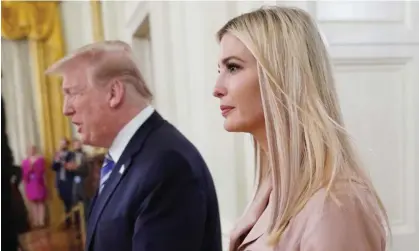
[(92, 142), (85, 140)]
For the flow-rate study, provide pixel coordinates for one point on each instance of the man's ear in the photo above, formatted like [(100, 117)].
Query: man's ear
[(117, 92)]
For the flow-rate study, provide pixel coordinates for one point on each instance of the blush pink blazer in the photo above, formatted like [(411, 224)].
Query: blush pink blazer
[(322, 225)]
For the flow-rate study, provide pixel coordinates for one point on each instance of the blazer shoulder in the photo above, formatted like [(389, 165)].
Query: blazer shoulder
[(171, 162), (345, 220), (161, 162)]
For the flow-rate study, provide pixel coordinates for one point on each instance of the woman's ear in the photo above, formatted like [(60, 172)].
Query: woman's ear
[(116, 93)]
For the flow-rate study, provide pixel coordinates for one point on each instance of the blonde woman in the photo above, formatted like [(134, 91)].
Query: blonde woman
[(275, 82)]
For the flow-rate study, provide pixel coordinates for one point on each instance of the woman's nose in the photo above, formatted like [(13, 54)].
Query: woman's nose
[(219, 92)]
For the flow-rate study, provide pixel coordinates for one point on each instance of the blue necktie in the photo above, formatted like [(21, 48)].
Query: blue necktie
[(106, 170)]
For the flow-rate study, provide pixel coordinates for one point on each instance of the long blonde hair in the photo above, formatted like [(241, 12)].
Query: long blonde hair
[(308, 147)]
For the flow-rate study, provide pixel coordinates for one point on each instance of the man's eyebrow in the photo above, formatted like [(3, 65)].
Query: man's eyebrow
[(67, 89)]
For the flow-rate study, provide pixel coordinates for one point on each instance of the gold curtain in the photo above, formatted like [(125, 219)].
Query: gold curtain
[(97, 23), (40, 23)]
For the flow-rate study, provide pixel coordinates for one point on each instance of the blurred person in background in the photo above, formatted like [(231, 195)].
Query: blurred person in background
[(78, 164), (9, 240), (64, 175), (33, 168), (18, 203)]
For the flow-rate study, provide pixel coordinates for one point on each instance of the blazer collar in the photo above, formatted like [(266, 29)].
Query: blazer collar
[(260, 227), (260, 207), (134, 146)]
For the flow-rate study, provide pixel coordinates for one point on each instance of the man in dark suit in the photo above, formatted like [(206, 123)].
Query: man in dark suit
[(78, 164), (64, 176), (156, 192)]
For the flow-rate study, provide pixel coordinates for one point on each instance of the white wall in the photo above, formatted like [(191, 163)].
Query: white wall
[(375, 49), (77, 24)]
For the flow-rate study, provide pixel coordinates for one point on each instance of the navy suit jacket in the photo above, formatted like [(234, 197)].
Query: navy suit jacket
[(69, 175), (160, 196)]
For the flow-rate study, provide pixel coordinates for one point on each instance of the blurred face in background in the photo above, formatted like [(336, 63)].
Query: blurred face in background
[(63, 144), (32, 151), (77, 145)]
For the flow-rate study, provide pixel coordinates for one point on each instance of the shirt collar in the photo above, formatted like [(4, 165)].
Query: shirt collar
[(124, 136)]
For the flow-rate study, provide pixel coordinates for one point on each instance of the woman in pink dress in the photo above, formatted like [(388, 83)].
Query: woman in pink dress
[(33, 168)]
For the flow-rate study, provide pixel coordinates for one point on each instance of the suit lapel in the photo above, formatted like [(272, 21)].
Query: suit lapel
[(260, 227), (92, 204), (124, 163), (102, 199)]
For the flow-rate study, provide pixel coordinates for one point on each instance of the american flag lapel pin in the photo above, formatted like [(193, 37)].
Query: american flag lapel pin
[(122, 169)]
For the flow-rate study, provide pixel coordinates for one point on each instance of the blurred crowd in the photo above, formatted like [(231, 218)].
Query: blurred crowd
[(77, 177)]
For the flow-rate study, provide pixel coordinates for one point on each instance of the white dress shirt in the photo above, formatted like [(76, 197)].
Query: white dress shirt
[(124, 136)]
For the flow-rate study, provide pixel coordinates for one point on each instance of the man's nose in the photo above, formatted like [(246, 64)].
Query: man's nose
[(67, 108)]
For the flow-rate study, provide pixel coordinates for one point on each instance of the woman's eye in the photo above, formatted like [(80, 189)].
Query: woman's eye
[(233, 68)]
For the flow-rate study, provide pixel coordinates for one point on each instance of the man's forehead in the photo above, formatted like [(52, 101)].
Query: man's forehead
[(68, 82), (71, 79)]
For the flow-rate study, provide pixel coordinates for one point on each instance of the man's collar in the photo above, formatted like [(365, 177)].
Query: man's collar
[(124, 136)]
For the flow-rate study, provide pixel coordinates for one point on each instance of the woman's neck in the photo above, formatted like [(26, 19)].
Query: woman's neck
[(260, 137)]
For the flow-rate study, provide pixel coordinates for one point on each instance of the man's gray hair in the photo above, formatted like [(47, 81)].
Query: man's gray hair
[(102, 62)]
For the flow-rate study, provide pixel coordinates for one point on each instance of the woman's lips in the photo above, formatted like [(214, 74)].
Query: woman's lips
[(225, 110)]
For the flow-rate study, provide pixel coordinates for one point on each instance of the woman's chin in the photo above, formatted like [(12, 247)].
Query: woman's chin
[(231, 127)]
